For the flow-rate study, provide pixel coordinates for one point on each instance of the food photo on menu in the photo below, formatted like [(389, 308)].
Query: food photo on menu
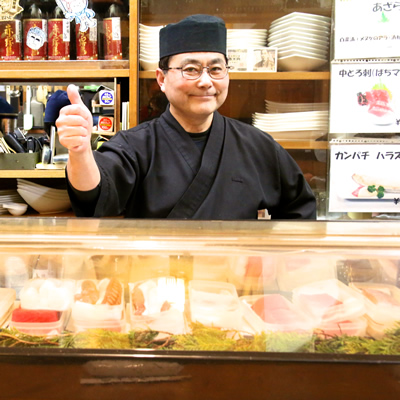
[(365, 98), (364, 177)]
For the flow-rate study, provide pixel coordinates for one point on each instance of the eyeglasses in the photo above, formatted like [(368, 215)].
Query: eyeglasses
[(194, 71)]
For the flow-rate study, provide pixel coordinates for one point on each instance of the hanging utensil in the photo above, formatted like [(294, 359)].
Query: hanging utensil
[(28, 117)]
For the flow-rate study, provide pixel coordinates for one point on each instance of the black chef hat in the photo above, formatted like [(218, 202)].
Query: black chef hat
[(196, 33), (56, 102)]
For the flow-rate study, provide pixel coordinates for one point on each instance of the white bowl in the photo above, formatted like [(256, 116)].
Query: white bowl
[(16, 208), (148, 65), (43, 204), (319, 41), (150, 28), (307, 53), (300, 63), (302, 45), (302, 34), (302, 15), (44, 193)]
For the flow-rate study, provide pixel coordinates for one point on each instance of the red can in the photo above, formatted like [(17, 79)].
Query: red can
[(112, 38), (35, 39), (10, 40), (59, 39), (86, 44)]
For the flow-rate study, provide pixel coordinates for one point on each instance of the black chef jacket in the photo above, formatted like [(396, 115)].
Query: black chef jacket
[(155, 170)]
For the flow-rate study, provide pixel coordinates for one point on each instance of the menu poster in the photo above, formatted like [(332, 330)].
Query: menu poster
[(364, 177), (366, 29), (365, 98)]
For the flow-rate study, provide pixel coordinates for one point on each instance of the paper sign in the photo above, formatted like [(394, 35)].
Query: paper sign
[(366, 29), (364, 176), (9, 9), (365, 98)]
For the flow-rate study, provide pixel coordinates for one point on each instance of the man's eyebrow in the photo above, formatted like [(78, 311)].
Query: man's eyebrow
[(196, 61)]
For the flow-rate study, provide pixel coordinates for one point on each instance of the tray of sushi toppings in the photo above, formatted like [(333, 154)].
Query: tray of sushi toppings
[(382, 303), (336, 308), (98, 304), (158, 304), (44, 306)]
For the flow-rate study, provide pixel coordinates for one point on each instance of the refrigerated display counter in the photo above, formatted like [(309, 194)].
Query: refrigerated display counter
[(100, 308)]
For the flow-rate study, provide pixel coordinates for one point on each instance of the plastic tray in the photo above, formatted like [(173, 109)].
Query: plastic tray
[(329, 301), (116, 325), (300, 323), (41, 328), (382, 312), (301, 269), (82, 311), (7, 299), (356, 327), (47, 294), (215, 304), (158, 293)]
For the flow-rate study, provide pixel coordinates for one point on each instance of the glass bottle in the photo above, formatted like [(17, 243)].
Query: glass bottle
[(11, 39), (112, 33), (34, 33), (87, 41), (59, 36)]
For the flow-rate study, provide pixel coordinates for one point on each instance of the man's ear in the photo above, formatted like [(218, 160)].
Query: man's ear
[(160, 78)]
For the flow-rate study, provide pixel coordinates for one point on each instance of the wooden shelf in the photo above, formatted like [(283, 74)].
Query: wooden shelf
[(267, 76), (303, 144), (32, 173), (24, 70)]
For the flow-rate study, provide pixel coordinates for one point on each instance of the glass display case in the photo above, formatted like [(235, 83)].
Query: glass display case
[(199, 309)]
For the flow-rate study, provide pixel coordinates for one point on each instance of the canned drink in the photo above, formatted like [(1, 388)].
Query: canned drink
[(86, 44), (112, 38), (35, 39), (59, 39), (10, 40)]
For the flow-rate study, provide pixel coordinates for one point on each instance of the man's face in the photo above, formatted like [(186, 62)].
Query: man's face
[(197, 98)]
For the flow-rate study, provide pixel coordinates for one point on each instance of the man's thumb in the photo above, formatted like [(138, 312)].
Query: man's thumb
[(73, 94)]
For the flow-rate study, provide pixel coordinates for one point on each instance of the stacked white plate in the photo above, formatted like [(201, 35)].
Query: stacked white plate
[(273, 107), (293, 125), (43, 199), (149, 50), (9, 196), (245, 38), (302, 40)]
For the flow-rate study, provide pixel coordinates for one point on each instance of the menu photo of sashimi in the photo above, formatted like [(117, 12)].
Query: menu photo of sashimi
[(365, 98), (365, 178)]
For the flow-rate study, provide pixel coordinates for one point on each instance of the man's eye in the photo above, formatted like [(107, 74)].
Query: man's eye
[(216, 68), (191, 70)]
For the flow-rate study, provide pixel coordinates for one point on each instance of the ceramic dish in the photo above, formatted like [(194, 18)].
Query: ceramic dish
[(291, 52), (301, 34), (300, 25), (302, 15), (291, 47), (298, 62), (299, 19), (309, 41)]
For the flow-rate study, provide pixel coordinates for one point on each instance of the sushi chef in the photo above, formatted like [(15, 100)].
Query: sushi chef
[(191, 162)]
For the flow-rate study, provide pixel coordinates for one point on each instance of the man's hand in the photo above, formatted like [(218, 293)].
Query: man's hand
[(75, 124)]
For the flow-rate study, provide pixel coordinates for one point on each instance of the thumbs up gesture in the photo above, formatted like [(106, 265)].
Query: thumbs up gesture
[(75, 123)]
